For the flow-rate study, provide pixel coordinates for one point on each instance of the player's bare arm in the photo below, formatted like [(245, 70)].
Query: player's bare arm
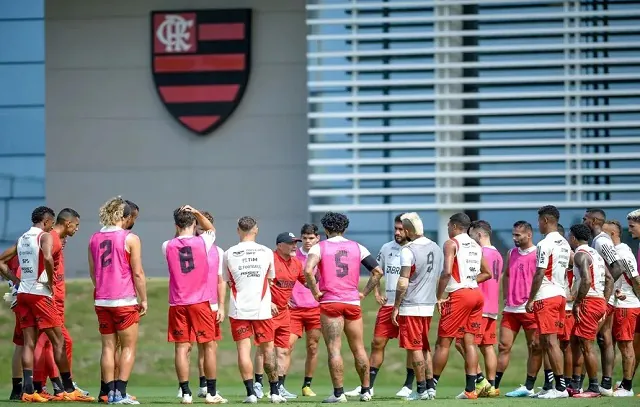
[(92, 268), (376, 274), (582, 262), (8, 274), (135, 251), (485, 271), (9, 253), (312, 262), (535, 286), (202, 220), (46, 245), (449, 257), (222, 294), (608, 284), (505, 276), (401, 291)]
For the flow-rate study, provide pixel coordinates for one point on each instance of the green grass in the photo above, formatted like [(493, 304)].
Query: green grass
[(154, 381)]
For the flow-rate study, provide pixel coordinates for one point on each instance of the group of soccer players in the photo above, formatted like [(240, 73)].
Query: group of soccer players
[(563, 293)]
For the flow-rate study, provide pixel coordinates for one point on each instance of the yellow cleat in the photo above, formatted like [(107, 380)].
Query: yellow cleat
[(307, 392), (482, 388), (493, 392)]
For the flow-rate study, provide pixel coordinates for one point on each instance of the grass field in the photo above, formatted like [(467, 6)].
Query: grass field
[(154, 378)]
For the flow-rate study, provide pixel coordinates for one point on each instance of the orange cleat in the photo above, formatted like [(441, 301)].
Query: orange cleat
[(77, 395), (33, 398), (47, 395), (103, 399)]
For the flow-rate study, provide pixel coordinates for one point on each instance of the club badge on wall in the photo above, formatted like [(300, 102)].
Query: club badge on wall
[(200, 61)]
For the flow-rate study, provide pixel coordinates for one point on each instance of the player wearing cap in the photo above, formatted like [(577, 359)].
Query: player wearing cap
[(250, 271), (288, 273)]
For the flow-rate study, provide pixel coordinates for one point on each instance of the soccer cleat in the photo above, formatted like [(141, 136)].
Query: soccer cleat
[(307, 392), (404, 392), (605, 392), (84, 393), (202, 392), (102, 399), (76, 395), (217, 399), (493, 392), (482, 388), (44, 393), (467, 395), (126, 400), (617, 386), (521, 391), (587, 395), (353, 393), (277, 399), (252, 399), (187, 399), (554, 394), (333, 399), (432, 394), (257, 388), (33, 398), (540, 393), (622, 392), (365, 396), (179, 396), (286, 393), (425, 395)]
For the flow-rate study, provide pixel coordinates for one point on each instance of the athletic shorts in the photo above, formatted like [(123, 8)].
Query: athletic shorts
[(114, 319), (349, 312), (218, 328), (610, 310), (487, 334), (281, 329), (549, 314), (516, 320), (414, 332), (461, 314), (567, 329), (18, 336), (261, 330), (304, 320), (592, 309), (625, 321), (191, 323), (37, 311), (384, 325)]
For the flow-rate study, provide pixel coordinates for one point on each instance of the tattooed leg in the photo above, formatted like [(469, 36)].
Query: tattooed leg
[(419, 366), (428, 364), (354, 332), (270, 365), (332, 332)]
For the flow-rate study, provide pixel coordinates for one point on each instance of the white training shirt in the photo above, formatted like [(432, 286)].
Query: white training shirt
[(597, 271), (605, 248), (624, 282), (389, 261), (34, 278), (248, 267), (433, 266), (467, 262), (553, 254)]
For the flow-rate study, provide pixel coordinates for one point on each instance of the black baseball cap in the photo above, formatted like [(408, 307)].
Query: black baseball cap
[(287, 237)]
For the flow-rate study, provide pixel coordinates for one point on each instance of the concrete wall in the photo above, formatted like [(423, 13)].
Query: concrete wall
[(107, 133)]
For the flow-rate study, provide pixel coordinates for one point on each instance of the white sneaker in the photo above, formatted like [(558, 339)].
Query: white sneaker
[(277, 399), (425, 395), (202, 392), (187, 399), (217, 399), (432, 394), (365, 396), (257, 387), (286, 393), (542, 392), (621, 392), (333, 399), (127, 400), (617, 386), (554, 394), (252, 399), (404, 392), (179, 396), (353, 393), (605, 392)]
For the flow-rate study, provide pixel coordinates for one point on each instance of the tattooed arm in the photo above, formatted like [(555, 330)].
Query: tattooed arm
[(312, 262)]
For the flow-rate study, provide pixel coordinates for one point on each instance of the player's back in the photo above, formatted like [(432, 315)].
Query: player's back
[(188, 263), (249, 266), (603, 244), (553, 254), (425, 273), (466, 263), (339, 270), (114, 280), (624, 283), (491, 287), (34, 277), (597, 271), (522, 268)]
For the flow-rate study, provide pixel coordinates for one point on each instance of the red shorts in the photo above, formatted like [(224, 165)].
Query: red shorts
[(304, 319), (549, 314), (487, 334), (638, 327), (567, 329), (262, 330), (592, 310), (37, 311), (113, 319), (516, 320), (191, 323), (281, 329), (384, 325), (610, 310), (349, 312), (625, 321), (414, 332), (462, 314), (18, 337)]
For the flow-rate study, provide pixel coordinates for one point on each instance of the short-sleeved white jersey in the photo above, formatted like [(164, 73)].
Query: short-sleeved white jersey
[(624, 282), (389, 261), (553, 254), (466, 264), (596, 271), (605, 248), (248, 266)]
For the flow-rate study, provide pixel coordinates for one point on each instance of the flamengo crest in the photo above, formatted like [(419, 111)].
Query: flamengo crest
[(200, 62)]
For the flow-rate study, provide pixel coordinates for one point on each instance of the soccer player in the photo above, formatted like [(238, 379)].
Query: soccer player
[(305, 312), (480, 231), (414, 301), (133, 215), (288, 273), (627, 309), (115, 267), (589, 307), (548, 296), (389, 261), (36, 305), (190, 289), (250, 271), (338, 260), (461, 311), (594, 219)]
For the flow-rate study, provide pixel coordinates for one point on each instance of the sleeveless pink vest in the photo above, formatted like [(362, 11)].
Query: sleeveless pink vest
[(491, 288), (188, 271), (339, 270), (521, 271), (114, 280)]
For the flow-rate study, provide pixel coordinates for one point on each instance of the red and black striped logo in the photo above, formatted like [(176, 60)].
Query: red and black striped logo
[(201, 61)]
